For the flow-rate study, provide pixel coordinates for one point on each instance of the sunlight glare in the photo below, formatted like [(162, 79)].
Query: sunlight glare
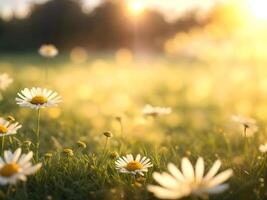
[(136, 7), (258, 9)]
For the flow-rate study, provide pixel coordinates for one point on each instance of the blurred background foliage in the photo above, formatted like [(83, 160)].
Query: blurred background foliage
[(107, 27)]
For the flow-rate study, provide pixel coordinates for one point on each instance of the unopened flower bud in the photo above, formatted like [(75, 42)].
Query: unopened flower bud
[(81, 144), (68, 151), (48, 155), (108, 134), (11, 118), (114, 155)]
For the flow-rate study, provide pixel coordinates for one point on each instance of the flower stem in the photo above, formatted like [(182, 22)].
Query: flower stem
[(25, 190), (245, 130), (9, 190), (246, 140), (106, 144), (11, 141), (3, 143), (103, 157), (46, 72), (38, 132)]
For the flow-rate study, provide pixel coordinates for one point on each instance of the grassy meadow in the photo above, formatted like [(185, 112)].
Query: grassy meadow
[(108, 93)]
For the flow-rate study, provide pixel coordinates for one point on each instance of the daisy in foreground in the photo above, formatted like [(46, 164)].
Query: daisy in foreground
[(16, 166), (127, 164), (37, 98), (247, 124), (183, 183), (149, 110)]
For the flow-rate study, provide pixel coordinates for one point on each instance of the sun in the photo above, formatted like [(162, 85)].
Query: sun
[(136, 7), (258, 8)]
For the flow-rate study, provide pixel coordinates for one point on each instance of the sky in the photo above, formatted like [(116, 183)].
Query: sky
[(17, 8), (170, 8)]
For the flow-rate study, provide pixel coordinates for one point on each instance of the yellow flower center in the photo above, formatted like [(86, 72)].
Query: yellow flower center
[(39, 100), (3, 129), (134, 165), (49, 50), (9, 169)]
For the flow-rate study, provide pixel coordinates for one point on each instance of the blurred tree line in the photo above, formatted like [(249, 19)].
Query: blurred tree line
[(109, 26)]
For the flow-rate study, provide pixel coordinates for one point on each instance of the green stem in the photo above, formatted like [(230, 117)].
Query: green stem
[(245, 131), (246, 140), (103, 158), (8, 190), (11, 141), (46, 71), (106, 144), (38, 132), (46, 74), (24, 189), (3, 143)]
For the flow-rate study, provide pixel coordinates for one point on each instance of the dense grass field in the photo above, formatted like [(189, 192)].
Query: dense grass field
[(108, 94)]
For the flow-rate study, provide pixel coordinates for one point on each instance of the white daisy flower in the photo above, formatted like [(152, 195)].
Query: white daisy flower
[(180, 184), (8, 128), (48, 50), (248, 125), (263, 148), (37, 98), (16, 166), (127, 164), (156, 111), (5, 81)]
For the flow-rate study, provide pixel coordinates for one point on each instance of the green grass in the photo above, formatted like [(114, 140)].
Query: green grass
[(203, 97)]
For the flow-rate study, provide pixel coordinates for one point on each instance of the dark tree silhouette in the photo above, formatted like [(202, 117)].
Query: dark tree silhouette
[(108, 27)]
